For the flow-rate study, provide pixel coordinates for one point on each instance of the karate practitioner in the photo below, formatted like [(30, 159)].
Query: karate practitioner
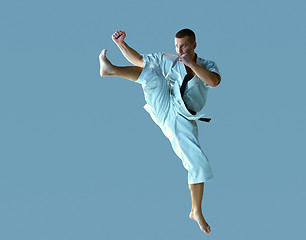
[(161, 76)]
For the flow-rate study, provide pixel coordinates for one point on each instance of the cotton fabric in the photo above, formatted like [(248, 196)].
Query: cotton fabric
[(161, 83)]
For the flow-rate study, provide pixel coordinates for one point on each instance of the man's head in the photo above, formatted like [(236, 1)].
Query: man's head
[(185, 42)]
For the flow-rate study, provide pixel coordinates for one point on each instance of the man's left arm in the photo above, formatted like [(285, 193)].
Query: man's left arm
[(210, 78)]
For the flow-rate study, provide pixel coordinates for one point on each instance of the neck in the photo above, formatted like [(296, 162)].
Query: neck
[(194, 57)]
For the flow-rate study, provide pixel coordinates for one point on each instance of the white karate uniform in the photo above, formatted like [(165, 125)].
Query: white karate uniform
[(161, 81)]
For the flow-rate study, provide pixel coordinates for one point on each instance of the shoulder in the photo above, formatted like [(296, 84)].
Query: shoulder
[(209, 65), (205, 62)]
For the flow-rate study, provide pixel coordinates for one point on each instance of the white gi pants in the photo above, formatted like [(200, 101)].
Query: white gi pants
[(169, 113)]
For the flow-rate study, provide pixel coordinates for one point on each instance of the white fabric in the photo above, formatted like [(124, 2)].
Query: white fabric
[(161, 86), (196, 90)]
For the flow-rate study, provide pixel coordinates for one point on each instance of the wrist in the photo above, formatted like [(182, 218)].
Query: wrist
[(192, 65), (121, 43)]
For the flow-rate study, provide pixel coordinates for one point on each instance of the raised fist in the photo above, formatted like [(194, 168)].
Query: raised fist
[(118, 37)]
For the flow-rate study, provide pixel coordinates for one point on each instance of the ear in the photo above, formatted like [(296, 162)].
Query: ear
[(194, 45)]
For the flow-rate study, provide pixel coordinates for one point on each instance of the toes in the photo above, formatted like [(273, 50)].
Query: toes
[(206, 230), (102, 54)]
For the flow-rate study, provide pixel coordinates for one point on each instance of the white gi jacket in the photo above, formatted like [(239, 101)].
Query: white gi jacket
[(161, 79), (196, 90)]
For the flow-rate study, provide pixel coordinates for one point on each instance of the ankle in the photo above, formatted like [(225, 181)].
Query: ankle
[(196, 210), (112, 70)]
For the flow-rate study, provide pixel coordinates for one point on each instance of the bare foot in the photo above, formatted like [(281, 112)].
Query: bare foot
[(198, 217), (105, 65)]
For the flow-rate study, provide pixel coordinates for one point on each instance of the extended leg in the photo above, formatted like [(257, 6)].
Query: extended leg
[(196, 191), (107, 69)]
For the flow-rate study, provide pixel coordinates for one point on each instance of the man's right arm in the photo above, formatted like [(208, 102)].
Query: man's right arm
[(129, 53)]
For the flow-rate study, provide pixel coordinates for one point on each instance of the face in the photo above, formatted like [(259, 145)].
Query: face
[(182, 46)]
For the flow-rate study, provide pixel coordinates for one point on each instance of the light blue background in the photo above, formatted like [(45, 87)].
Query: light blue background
[(82, 159)]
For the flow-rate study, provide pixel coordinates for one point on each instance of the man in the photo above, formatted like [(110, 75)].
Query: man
[(173, 110)]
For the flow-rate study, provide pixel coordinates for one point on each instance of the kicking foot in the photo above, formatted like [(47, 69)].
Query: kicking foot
[(105, 65), (198, 217)]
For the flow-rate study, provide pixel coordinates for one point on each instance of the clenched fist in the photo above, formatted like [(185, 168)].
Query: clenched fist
[(118, 37), (185, 58)]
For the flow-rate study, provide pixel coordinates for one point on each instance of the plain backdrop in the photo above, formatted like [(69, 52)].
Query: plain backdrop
[(80, 158)]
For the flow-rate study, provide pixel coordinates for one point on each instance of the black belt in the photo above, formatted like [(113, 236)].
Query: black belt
[(182, 89), (201, 119)]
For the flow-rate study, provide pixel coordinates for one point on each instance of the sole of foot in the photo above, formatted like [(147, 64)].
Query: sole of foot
[(105, 64)]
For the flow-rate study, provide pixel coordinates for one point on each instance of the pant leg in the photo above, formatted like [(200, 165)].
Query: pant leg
[(156, 92), (186, 145)]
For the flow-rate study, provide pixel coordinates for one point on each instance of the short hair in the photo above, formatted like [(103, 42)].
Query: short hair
[(186, 32)]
